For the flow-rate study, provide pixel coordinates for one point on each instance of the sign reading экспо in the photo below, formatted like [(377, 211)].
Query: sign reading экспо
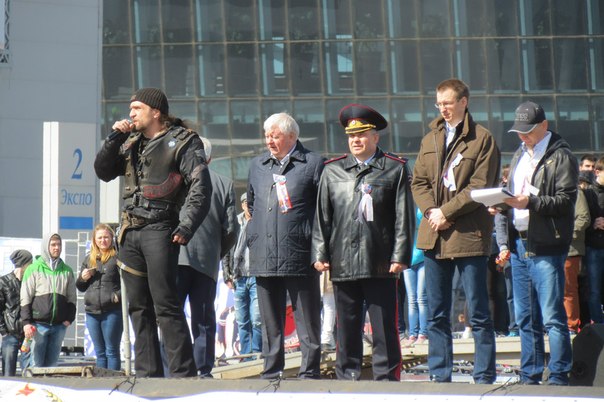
[(69, 180)]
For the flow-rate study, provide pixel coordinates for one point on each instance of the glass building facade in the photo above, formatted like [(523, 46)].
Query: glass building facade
[(226, 65)]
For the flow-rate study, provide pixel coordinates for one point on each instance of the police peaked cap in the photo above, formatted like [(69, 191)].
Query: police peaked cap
[(357, 118)]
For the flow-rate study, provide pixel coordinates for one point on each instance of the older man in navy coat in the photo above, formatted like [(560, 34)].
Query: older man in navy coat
[(282, 193)]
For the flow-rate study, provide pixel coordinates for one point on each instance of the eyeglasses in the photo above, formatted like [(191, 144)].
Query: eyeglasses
[(445, 104)]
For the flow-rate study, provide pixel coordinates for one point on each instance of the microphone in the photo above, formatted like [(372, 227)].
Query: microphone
[(115, 133)]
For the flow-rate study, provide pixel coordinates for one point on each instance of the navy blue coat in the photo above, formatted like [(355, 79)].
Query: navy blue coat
[(280, 243)]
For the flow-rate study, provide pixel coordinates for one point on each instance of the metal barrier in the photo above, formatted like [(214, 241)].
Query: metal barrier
[(75, 252)]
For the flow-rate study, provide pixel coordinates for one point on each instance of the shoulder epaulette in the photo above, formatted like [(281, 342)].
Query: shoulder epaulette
[(395, 157), (337, 158), (182, 133)]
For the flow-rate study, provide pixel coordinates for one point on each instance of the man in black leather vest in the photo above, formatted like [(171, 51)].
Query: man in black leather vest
[(166, 195)]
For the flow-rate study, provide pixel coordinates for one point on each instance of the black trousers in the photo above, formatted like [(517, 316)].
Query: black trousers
[(381, 300), (154, 300), (305, 296), (201, 290), (497, 297)]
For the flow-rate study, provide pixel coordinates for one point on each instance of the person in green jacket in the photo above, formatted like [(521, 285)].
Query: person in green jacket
[(48, 301)]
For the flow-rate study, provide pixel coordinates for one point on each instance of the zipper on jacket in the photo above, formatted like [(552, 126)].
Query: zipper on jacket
[(557, 233), (438, 171), (54, 294)]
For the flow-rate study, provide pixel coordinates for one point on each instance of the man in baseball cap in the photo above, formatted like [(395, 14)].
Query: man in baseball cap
[(528, 115), (540, 222)]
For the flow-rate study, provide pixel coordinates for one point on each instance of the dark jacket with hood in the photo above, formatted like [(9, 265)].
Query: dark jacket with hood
[(48, 295)]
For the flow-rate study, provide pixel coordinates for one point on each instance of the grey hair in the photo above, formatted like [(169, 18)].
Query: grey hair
[(284, 122), (207, 147)]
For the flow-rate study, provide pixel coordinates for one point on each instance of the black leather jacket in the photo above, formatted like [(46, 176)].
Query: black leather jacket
[(358, 249), (552, 210), (185, 183), (10, 307)]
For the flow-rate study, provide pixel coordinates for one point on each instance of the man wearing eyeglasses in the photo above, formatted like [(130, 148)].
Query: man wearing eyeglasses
[(456, 156)]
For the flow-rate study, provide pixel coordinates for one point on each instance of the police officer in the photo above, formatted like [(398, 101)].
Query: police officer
[(363, 234), (165, 172)]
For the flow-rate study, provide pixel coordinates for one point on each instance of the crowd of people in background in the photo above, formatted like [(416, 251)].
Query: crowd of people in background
[(340, 240)]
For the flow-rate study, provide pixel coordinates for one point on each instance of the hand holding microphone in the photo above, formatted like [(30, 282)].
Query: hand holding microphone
[(121, 127)]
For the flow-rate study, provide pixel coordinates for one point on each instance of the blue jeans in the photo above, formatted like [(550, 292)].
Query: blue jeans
[(416, 299), (48, 340), (539, 305), (595, 267), (10, 355), (106, 333), (439, 282), (247, 315)]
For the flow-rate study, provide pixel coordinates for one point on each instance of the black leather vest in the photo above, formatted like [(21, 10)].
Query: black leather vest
[(156, 176)]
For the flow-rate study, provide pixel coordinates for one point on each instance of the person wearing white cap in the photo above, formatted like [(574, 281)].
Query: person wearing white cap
[(544, 181)]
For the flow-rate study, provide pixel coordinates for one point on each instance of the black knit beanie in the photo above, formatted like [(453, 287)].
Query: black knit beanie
[(21, 258), (153, 98)]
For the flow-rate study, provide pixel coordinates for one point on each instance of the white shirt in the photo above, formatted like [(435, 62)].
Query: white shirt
[(523, 175), (450, 133)]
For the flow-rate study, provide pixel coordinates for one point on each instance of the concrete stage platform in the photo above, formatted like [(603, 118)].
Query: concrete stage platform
[(241, 380), (508, 354), (315, 389)]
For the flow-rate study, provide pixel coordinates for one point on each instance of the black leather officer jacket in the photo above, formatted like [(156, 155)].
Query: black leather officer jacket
[(354, 247)]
